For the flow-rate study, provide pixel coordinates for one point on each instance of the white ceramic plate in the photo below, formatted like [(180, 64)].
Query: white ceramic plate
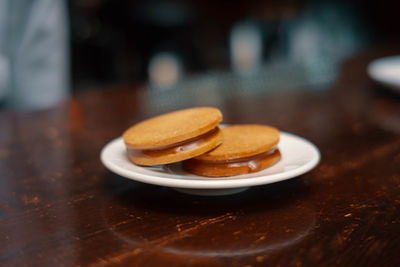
[(386, 71), (298, 157)]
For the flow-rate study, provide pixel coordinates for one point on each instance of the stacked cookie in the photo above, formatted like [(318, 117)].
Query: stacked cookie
[(194, 137)]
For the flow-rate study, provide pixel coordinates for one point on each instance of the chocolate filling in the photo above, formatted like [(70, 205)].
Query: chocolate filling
[(252, 162), (173, 148)]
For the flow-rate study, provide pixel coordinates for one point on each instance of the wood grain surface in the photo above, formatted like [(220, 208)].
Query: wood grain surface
[(60, 207)]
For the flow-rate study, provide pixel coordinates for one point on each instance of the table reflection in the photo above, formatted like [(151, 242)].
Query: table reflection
[(241, 224)]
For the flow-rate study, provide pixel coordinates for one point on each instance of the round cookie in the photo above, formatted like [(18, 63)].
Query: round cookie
[(174, 136), (246, 148)]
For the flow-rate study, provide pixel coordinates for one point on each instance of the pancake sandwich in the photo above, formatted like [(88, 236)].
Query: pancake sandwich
[(246, 149), (174, 136)]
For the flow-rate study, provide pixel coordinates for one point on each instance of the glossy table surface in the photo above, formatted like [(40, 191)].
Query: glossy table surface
[(60, 207)]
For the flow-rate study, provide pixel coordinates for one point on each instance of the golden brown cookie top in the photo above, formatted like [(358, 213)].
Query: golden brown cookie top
[(242, 141), (171, 128)]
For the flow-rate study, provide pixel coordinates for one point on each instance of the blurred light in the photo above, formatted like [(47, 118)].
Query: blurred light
[(245, 48), (164, 71)]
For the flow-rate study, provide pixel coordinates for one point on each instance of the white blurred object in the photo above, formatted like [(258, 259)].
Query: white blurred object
[(165, 71), (386, 71), (34, 69), (245, 48), (4, 65), (4, 77)]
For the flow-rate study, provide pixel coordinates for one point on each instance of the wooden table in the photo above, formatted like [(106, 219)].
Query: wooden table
[(60, 207)]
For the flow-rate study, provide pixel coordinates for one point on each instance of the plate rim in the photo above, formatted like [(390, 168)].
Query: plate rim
[(210, 184)]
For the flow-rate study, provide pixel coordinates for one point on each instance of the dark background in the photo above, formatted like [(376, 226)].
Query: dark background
[(112, 41)]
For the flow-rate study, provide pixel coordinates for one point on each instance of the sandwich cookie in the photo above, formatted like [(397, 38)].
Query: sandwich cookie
[(174, 136), (246, 149)]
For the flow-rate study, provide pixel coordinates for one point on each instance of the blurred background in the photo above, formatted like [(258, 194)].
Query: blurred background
[(50, 49)]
